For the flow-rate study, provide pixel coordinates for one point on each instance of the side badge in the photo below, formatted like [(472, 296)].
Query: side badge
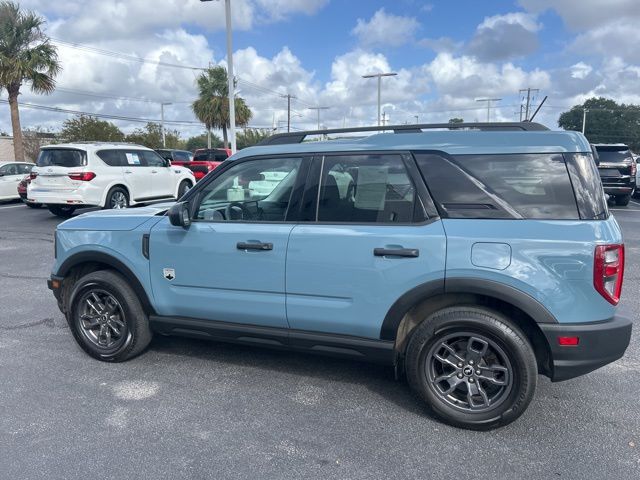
[(169, 273)]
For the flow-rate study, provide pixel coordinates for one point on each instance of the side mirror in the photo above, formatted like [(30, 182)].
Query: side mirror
[(179, 215), (167, 162)]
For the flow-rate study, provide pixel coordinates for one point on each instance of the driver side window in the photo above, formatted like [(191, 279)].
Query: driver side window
[(256, 190)]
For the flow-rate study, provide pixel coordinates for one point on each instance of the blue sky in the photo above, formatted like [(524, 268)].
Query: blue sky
[(447, 54)]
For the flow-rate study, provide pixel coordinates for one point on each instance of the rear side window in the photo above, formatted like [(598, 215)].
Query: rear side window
[(533, 186), (113, 158), (587, 186), (61, 157), (366, 189), (181, 156), (152, 159)]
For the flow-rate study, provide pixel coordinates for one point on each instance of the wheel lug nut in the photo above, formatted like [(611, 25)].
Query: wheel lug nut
[(460, 375), (470, 362), (460, 365), (471, 380), (478, 372)]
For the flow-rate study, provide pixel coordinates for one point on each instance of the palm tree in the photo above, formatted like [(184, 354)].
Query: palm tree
[(212, 105), (26, 55)]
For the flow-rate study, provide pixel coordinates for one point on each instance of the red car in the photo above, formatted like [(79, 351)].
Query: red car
[(204, 160), (22, 191)]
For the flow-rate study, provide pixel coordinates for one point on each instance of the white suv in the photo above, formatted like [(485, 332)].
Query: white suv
[(108, 175)]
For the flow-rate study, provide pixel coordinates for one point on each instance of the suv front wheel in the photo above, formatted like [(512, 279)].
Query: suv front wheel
[(106, 317), (472, 367)]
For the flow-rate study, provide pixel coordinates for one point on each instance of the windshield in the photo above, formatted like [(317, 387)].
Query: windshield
[(610, 155), (61, 157)]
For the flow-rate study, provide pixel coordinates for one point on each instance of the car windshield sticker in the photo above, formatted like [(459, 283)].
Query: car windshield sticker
[(169, 273)]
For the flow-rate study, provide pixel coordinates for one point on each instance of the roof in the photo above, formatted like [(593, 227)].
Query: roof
[(4, 162), (97, 145), (454, 142)]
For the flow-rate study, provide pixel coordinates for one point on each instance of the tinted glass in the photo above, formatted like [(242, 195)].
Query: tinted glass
[(61, 157), (152, 159), (181, 156), (255, 190), (24, 169), (165, 154), (614, 155), (10, 169), (504, 186), (587, 186), (211, 155), (365, 189), (113, 158)]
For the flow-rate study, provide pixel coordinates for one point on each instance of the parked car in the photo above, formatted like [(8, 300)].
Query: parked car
[(617, 170), (11, 173), (174, 155), (107, 175), (470, 260), (22, 192), (207, 159)]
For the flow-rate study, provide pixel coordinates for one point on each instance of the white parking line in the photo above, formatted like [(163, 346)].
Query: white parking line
[(635, 203), (625, 209), (12, 206)]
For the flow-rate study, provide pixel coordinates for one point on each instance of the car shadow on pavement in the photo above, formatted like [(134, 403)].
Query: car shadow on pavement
[(379, 379)]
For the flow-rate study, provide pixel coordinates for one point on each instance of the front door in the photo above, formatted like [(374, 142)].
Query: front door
[(10, 176), (229, 265), (163, 178), (137, 175), (368, 242)]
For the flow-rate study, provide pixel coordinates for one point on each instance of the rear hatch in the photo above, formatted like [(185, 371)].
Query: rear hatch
[(203, 162), (616, 164), (55, 168)]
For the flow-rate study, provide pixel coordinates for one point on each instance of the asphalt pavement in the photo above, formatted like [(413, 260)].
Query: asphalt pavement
[(195, 409)]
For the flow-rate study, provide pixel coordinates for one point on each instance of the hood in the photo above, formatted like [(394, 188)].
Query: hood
[(112, 220)]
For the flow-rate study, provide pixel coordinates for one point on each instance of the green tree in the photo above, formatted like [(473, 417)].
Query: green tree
[(200, 141), (151, 136), (212, 105), (26, 56), (251, 136), (85, 128), (35, 138), (607, 121), (456, 120)]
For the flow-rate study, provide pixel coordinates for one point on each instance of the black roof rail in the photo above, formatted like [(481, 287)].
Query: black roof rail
[(298, 137)]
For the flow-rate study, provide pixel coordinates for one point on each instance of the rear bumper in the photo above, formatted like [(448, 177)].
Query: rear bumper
[(600, 343), (617, 190)]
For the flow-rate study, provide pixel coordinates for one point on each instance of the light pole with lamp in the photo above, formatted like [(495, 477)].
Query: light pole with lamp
[(164, 140), (379, 77), (230, 83)]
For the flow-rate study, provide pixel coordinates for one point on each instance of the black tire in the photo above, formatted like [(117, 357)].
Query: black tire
[(622, 200), (62, 211), (117, 198), (127, 315), (184, 187), (504, 403), (33, 205)]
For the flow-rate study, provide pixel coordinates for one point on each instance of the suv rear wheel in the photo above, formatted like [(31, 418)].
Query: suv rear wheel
[(106, 317), (622, 200), (472, 367), (117, 198), (62, 211)]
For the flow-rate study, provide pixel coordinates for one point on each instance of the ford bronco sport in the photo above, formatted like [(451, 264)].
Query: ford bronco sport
[(470, 259)]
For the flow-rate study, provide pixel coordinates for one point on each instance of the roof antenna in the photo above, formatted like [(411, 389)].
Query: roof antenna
[(537, 109)]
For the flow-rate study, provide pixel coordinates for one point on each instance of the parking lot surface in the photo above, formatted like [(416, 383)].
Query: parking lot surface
[(194, 409)]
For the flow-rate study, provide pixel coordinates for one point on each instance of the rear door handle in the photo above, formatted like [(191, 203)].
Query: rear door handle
[(396, 252), (128, 171), (154, 171), (254, 246)]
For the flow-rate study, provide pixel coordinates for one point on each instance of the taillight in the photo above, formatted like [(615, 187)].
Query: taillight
[(33, 175), (82, 176), (634, 167), (608, 271)]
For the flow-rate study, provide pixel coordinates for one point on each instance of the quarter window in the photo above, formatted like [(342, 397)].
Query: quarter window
[(256, 190), (365, 189)]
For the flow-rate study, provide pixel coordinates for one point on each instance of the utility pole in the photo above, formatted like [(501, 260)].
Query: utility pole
[(379, 77), (528, 101), (318, 108), (288, 96), (164, 140), (384, 118), (584, 118), (416, 117), (488, 100)]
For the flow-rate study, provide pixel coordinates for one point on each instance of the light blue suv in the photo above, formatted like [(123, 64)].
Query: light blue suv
[(471, 258)]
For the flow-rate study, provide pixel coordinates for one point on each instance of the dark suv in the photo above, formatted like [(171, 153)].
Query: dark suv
[(618, 171)]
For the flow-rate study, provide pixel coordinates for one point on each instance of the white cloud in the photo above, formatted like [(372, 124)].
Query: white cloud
[(385, 29), (581, 70), (619, 38), (503, 37), (586, 13), (281, 9)]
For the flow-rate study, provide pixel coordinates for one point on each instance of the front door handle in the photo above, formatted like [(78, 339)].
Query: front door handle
[(396, 252), (254, 246)]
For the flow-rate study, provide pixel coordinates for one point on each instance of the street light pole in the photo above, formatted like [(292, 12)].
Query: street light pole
[(164, 140), (488, 100), (318, 109), (230, 82), (379, 77)]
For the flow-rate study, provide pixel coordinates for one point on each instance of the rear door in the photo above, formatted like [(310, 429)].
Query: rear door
[(10, 176), (137, 174), (369, 236)]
